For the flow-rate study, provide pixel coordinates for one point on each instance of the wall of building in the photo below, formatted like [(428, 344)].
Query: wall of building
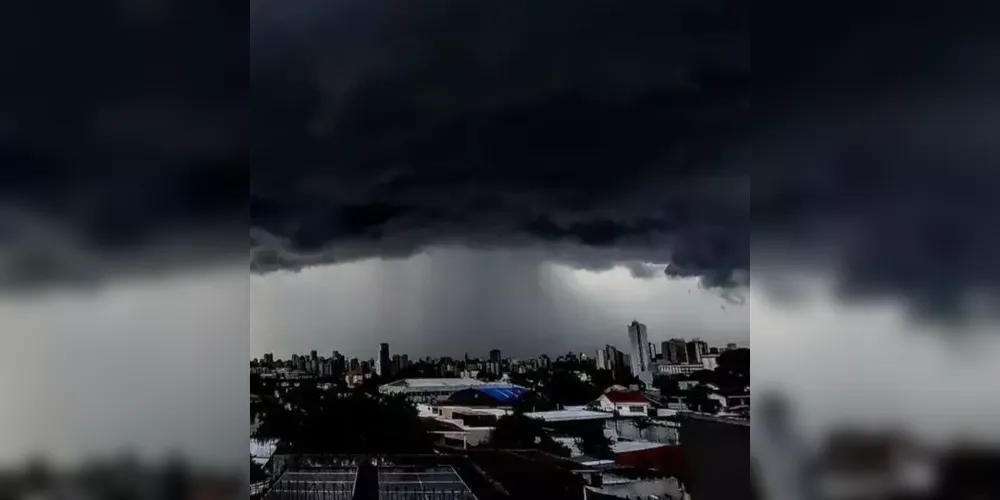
[(669, 460), (657, 432), (623, 409), (717, 455), (662, 488)]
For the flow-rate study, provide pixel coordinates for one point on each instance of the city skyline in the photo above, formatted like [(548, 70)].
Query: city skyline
[(484, 354), (591, 354), (450, 301)]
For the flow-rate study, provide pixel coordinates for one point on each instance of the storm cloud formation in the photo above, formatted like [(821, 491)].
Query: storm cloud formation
[(122, 145), (858, 138), (386, 127), (627, 127)]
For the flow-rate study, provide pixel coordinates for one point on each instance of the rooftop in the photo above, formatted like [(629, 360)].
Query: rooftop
[(714, 418), (630, 446), (626, 397), (496, 412), (405, 483), (566, 415), (322, 477), (418, 383), (504, 395)]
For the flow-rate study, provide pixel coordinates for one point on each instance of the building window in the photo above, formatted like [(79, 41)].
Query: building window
[(636, 409)]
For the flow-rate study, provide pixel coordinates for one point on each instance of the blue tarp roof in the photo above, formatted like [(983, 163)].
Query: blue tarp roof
[(504, 395)]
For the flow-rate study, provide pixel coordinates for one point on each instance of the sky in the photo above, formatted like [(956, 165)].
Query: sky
[(153, 366), (448, 301), (160, 364), (462, 175)]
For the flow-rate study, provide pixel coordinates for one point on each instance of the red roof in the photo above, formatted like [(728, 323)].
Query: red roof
[(626, 397)]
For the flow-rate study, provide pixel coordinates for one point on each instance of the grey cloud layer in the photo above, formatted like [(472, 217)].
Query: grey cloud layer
[(639, 131), (499, 124), (629, 127)]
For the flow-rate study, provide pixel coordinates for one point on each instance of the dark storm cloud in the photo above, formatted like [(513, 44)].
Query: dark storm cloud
[(593, 125), (627, 127), (622, 128), (117, 134)]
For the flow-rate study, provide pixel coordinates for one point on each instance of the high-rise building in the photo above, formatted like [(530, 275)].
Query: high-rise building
[(694, 352), (495, 355), (269, 358), (337, 362), (383, 360), (639, 347), (652, 351), (313, 355), (602, 360), (701, 345), (544, 361), (611, 357), (675, 351), (397, 364)]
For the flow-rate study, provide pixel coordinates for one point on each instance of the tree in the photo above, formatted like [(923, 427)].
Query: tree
[(706, 377), (517, 431), (602, 379), (735, 363), (667, 386), (317, 421), (593, 442), (534, 401), (566, 388), (698, 400), (520, 379), (257, 473)]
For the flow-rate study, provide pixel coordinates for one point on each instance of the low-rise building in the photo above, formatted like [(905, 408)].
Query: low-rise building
[(661, 368), (626, 404), (715, 451), (436, 390)]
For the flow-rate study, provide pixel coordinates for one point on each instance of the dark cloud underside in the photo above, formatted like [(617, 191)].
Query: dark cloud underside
[(628, 129), (497, 124), (859, 137)]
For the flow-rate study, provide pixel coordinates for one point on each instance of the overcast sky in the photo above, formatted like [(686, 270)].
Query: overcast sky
[(161, 364), (551, 141), (152, 366), (449, 301)]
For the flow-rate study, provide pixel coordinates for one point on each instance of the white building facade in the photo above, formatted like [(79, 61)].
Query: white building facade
[(639, 343)]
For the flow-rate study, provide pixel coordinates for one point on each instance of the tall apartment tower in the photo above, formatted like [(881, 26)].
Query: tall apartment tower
[(639, 343), (611, 357), (383, 361), (675, 351), (696, 349)]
